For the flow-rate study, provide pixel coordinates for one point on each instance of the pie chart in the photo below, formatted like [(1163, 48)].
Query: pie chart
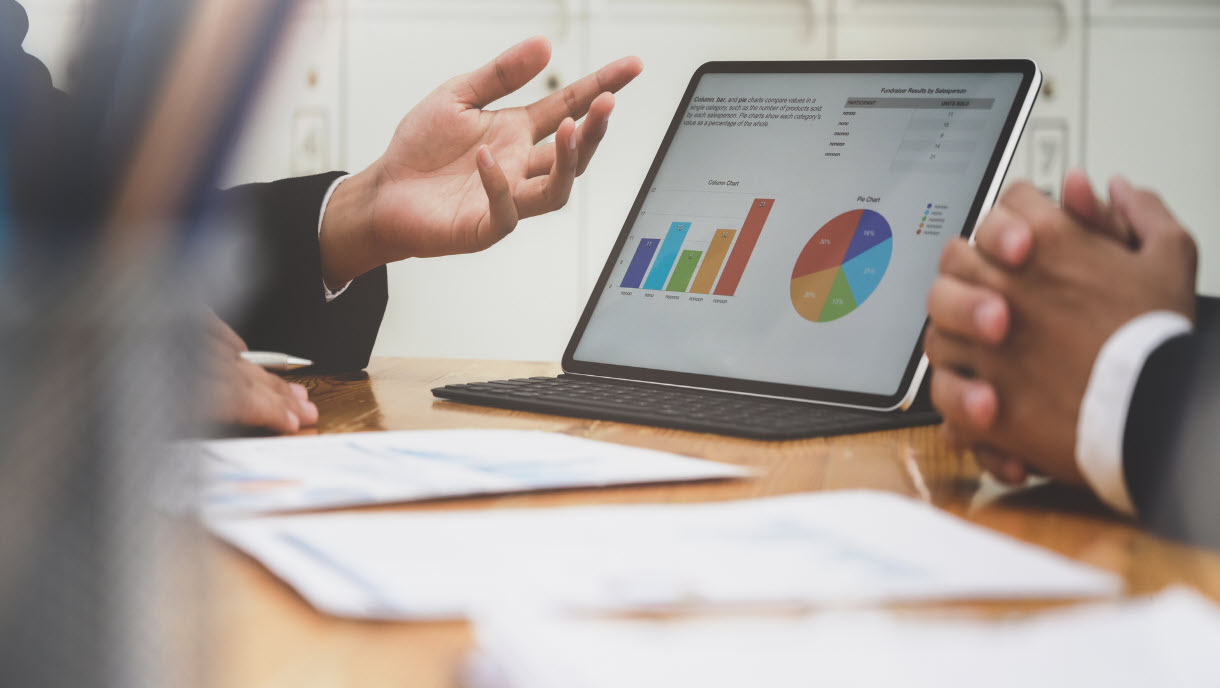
[(841, 265)]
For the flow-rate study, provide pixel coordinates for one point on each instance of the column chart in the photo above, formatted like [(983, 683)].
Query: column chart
[(667, 255), (684, 271), (716, 252), (751, 229), (680, 262), (639, 263)]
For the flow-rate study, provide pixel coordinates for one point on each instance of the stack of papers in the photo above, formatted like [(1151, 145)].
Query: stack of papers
[(1167, 640), (830, 547), (294, 473)]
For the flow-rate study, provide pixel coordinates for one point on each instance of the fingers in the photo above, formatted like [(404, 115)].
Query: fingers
[(252, 397), (545, 194), (1081, 202), (969, 311), (970, 406), (501, 217), (966, 263), (952, 439), (258, 400), (542, 160), (1046, 221), (945, 350), (1151, 222), (1004, 237), (306, 410), (1006, 469), (263, 407), (1028, 202), (593, 129), (223, 335), (511, 70), (575, 99), (588, 136)]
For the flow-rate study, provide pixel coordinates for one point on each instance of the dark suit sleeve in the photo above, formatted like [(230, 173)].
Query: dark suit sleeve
[(1171, 456), (287, 309), (35, 114)]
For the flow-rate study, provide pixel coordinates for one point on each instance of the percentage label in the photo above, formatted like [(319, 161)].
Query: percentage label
[(825, 242)]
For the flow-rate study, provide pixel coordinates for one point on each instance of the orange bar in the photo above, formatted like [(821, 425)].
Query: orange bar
[(750, 229), (712, 261)]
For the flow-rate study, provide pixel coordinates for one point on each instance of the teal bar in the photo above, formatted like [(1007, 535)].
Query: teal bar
[(670, 249)]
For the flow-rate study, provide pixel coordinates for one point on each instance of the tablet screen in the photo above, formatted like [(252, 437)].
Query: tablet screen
[(794, 225)]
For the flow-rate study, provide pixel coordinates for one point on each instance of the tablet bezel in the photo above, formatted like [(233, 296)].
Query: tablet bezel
[(989, 187)]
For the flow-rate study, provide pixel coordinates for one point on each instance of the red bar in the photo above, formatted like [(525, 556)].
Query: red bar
[(746, 239)]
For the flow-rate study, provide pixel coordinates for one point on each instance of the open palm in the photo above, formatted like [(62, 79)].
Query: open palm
[(456, 178)]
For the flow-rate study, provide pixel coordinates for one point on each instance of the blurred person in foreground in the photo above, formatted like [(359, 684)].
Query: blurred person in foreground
[(455, 178), (1069, 342)]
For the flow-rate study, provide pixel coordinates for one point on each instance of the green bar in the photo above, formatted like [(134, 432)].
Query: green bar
[(683, 272)]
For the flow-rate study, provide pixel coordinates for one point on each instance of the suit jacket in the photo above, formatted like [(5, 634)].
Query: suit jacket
[(1171, 457), (286, 309)]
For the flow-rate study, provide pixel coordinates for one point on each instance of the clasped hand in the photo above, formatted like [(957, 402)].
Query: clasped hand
[(1018, 318)]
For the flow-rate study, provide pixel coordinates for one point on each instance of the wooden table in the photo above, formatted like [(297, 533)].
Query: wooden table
[(266, 635)]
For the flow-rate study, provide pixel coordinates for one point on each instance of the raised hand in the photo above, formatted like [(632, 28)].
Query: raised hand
[(456, 177)]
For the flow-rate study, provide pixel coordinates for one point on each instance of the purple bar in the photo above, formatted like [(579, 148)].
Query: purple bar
[(639, 263)]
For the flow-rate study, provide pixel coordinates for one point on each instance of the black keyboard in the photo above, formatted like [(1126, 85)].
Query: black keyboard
[(677, 407)]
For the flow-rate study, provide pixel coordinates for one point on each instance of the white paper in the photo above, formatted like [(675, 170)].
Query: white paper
[(1168, 640), (324, 471), (826, 547)]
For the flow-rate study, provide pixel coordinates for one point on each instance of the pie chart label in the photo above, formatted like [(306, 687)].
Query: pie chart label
[(841, 266)]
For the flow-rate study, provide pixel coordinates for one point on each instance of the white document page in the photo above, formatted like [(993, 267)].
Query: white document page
[(813, 548), (323, 471), (1168, 640)]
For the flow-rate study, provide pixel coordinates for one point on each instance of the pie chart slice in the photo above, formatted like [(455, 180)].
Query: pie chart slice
[(828, 248), (809, 293), (839, 302), (864, 272), (841, 266)]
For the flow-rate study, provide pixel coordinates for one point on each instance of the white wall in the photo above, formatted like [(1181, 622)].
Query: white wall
[(1130, 88), (1154, 108), (54, 28)]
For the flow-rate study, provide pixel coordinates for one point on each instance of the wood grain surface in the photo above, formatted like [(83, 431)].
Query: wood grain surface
[(263, 634)]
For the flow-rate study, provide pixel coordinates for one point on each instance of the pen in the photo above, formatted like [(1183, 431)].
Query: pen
[(272, 360)]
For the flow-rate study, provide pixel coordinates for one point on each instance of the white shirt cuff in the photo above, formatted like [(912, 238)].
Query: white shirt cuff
[(330, 295), (1103, 411)]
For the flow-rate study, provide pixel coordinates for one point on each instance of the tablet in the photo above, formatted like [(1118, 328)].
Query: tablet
[(785, 238)]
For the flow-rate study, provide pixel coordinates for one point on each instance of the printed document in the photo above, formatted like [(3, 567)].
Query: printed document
[(325, 471), (822, 548), (1167, 640)]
